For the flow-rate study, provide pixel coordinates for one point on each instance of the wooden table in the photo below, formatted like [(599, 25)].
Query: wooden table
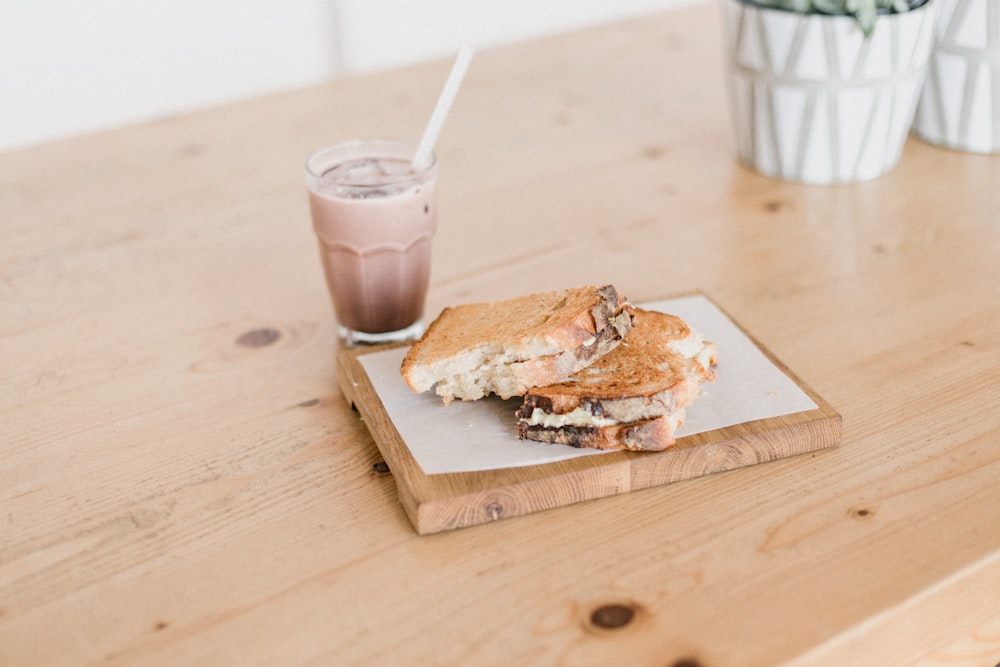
[(181, 482)]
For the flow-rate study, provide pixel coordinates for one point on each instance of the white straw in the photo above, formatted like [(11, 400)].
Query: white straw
[(443, 106)]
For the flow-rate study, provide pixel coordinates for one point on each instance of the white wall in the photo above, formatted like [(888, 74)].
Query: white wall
[(76, 66), (424, 29)]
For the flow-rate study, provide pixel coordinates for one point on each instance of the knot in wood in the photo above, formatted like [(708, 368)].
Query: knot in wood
[(862, 512), (612, 616), (494, 510), (687, 662), (258, 337)]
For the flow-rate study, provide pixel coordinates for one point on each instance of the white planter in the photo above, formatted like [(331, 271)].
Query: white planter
[(816, 101), (960, 104)]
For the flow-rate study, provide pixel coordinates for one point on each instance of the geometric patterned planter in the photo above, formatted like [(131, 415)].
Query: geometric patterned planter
[(960, 104), (815, 101)]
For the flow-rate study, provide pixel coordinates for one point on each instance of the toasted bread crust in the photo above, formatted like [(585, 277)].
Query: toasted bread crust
[(506, 347)]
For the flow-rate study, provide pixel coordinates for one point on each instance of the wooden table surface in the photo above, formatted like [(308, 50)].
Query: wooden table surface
[(181, 482)]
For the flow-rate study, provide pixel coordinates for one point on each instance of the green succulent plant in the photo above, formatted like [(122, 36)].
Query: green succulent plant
[(863, 11)]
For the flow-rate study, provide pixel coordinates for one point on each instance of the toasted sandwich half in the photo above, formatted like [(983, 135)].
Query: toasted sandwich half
[(632, 398), (506, 347)]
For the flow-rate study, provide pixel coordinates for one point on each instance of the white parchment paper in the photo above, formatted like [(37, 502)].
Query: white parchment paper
[(482, 435)]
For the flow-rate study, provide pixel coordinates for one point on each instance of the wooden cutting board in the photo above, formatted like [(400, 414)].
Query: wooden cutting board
[(438, 502)]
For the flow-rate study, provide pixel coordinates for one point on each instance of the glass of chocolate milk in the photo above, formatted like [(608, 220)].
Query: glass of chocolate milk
[(374, 214)]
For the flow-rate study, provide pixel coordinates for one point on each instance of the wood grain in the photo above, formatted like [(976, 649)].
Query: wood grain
[(170, 495)]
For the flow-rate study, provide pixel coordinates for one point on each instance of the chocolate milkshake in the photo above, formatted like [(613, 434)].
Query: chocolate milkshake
[(374, 214)]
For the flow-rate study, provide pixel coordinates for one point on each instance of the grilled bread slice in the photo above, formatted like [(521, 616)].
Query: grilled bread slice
[(506, 347), (632, 398)]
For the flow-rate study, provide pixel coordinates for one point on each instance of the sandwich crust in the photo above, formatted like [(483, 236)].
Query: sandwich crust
[(506, 347)]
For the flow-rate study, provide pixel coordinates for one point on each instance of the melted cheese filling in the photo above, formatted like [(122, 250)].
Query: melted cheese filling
[(576, 417)]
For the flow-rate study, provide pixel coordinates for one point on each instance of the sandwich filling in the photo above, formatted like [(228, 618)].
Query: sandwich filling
[(575, 417)]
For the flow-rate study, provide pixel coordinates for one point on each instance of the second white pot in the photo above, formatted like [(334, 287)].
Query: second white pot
[(960, 104)]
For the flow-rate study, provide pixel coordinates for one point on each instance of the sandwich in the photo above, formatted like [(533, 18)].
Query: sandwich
[(507, 347), (634, 397)]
